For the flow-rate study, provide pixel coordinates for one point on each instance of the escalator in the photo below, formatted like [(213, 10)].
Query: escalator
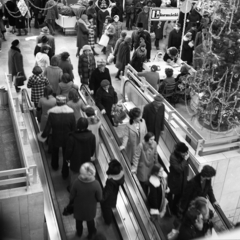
[(131, 216), (137, 95)]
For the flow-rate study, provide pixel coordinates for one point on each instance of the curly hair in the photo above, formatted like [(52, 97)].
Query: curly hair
[(208, 171), (169, 72), (134, 114), (73, 95)]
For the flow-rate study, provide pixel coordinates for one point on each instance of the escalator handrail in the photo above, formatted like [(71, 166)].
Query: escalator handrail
[(123, 152), (217, 208), (57, 210)]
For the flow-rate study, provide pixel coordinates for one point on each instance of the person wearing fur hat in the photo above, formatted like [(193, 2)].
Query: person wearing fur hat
[(99, 74), (15, 61), (152, 77), (86, 64), (94, 124), (106, 97), (85, 193), (177, 177), (187, 48), (61, 121), (157, 191), (82, 32), (141, 33), (139, 57), (51, 39), (153, 114), (37, 82), (123, 56), (110, 192), (81, 146)]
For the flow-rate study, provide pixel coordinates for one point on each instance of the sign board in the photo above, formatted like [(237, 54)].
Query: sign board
[(22, 7), (164, 14)]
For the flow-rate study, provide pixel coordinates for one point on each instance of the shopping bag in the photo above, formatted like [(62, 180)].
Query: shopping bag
[(111, 57), (19, 79), (68, 210), (104, 40)]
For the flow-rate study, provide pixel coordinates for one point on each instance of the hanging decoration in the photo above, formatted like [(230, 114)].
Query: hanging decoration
[(22, 7)]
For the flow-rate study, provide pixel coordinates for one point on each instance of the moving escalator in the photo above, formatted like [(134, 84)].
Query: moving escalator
[(132, 219)]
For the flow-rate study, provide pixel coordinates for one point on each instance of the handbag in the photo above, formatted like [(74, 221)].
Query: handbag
[(68, 210), (104, 40), (19, 79)]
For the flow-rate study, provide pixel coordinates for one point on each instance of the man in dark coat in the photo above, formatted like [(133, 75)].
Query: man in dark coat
[(136, 39), (99, 74), (177, 177), (143, 17), (153, 114), (175, 37), (15, 61), (81, 146), (61, 121), (86, 64), (199, 186), (106, 97)]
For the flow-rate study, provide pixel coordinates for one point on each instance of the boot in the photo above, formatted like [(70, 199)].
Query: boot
[(94, 52), (26, 32), (19, 33)]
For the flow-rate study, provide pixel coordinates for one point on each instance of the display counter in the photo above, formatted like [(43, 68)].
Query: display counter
[(66, 23)]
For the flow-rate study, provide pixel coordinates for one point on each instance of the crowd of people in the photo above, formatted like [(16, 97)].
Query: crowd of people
[(67, 123)]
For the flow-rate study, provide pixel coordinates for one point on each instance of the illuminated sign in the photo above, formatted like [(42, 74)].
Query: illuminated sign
[(164, 14)]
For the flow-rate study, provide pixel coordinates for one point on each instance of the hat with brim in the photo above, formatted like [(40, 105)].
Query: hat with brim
[(159, 98), (61, 99), (105, 83)]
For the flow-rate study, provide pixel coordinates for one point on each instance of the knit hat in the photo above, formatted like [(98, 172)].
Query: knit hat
[(82, 124), (61, 99), (87, 172), (105, 83), (140, 25), (45, 30), (86, 47), (154, 68), (15, 42), (159, 98), (114, 167), (181, 147), (90, 111), (101, 62)]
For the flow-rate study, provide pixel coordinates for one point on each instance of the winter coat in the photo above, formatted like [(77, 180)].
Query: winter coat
[(111, 31), (91, 35), (143, 18), (85, 195), (118, 29), (101, 18), (60, 123), (66, 67), (105, 100), (189, 232), (168, 27), (51, 40), (45, 105), (137, 61), (94, 127), (152, 78), (42, 60), (51, 11), (97, 77), (38, 49), (132, 138), (86, 65), (81, 146), (144, 158), (15, 61), (187, 51), (174, 39), (82, 34), (158, 29), (123, 56), (194, 189), (54, 76), (117, 45), (177, 177), (77, 107), (154, 119), (20, 22), (12, 7), (37, 83), (64, 88)]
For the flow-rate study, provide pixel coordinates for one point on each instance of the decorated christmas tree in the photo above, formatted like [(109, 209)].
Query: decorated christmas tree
[(217, 81)]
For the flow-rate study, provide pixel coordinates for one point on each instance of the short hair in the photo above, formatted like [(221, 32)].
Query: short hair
[(44, 48), (123, 34), (191, 216), (66, 78), (54, 61), (181, 147), (47, 91), (173, 51), (37, 70), (208, 171), (65, 56), (134, 113), (44, 39), (155, 169), (148, 136), (73, 95), (194, 24), (114, 167), (82, 124), (169, 72)]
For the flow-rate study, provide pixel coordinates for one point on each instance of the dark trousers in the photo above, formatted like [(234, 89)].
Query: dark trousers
[(55, 160), (51, 25), (119, 72), (144, 186), (174, 200), (157, 42), (90, 225), (107, 214), (129, 20)]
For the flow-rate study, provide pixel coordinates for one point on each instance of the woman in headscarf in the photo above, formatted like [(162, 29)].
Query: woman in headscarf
[(123, 56), (82, 32), (139, 57)]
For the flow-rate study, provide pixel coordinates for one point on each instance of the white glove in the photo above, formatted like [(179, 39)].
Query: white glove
[(103, 111), (122, 147)]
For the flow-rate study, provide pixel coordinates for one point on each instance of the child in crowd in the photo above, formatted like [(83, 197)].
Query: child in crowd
[(91, 34), (169, 80)]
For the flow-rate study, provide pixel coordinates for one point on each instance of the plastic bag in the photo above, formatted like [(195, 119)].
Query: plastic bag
[(104, 40)]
